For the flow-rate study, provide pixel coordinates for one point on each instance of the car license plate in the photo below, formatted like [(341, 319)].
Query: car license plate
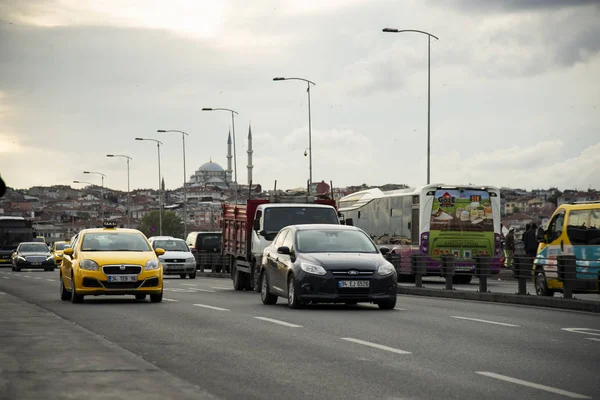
[(36, 263), (175, 265), (354, 284), (462, 268), (122, 278)]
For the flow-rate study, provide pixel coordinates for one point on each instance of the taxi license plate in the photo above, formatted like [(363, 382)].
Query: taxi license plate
[(36, 263), (122, 278), (354, 284)]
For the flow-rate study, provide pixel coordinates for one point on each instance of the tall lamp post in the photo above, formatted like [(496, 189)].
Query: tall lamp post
[(128, 192), (308, 83), (233, 113), (102, 191), (185, 216), (158, 143), (89, 183), (429, 36)]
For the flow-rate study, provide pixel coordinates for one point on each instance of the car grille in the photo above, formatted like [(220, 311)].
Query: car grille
[(35, 259), (346, 272), (5, 256), (120, 285), (119, 270), (175, 260)]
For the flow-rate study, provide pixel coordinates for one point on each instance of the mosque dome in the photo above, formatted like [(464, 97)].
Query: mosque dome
[(210, 167)]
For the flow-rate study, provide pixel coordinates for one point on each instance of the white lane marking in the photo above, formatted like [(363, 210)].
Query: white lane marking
[(222, 288), (484, 320), (27, 276), (189, 284), (400, 309), (6, 277), (533, 385), (593, 338), (51, 280), (276, 321), (37, 277), (202, 290), (585, 331), (211, 307), (2, 293), (165, 299), (377, 346)]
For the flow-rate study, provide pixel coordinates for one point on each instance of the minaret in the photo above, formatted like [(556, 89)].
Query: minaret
[(249, 154), (229, 171)]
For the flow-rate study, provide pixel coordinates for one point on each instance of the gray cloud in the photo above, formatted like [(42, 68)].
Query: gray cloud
[(482, 6)]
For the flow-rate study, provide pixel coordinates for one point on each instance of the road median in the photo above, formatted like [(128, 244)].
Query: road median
[(45, 356)]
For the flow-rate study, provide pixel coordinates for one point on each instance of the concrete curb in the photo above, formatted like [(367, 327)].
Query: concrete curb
[(527, 300)]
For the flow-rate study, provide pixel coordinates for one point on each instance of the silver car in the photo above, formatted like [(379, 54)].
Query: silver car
[(178, 259)]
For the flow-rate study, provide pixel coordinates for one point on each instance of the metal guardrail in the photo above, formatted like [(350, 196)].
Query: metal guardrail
[(576, 275)]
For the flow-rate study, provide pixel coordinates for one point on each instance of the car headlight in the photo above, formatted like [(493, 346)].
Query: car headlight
[(89, 265), (21, 258), (152, 265), (190, 260), (312, 268), (385, 269), (50, 258)]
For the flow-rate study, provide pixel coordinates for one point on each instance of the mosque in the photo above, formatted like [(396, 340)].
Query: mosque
[(212, 174)]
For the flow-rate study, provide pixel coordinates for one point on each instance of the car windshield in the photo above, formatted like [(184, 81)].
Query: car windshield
[(170, 245), (278, 217), (211, 241), (60, 246), (114, 241), (33, 248), (334, 241)]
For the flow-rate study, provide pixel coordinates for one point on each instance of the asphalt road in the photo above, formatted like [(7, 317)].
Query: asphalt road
[(234, 347)]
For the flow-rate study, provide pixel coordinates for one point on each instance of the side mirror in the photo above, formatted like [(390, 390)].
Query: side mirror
[(159, 251), (68, 251), (349, 222), (384, 250), (256, 224), (283, 250), (263, 233)]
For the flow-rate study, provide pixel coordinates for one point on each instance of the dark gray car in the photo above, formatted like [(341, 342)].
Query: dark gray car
[(30, 255)]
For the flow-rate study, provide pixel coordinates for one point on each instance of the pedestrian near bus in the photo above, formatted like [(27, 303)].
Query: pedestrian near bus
[(509, 248), (530, 240)]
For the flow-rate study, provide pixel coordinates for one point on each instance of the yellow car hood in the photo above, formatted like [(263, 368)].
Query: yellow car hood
[(119, 257)]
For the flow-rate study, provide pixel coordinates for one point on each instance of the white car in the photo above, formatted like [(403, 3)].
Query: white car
[(178, 259)]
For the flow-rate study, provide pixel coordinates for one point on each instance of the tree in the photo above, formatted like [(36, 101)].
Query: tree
[(172, 225)]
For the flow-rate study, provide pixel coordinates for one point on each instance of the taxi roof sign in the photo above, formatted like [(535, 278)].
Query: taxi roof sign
[(110, 224)]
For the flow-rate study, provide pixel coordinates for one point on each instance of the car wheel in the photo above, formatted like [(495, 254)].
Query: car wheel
[(13, 268), (17, 269), (193, 275), (462, 279), (387, 304), (75, 298), (64, 293), (51, 270), (239, 278), (265, 294), (541, 286), (256, 278), (140, 297), (293, 301), (156, 298), (182, 276)]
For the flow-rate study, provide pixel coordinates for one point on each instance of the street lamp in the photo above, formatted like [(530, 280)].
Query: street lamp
[(128, 192), (429, 36), (308, 83), (234, 147), (158, 143), (183, 135), (101, 191)]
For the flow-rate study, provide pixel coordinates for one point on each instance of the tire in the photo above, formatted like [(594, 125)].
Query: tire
[(541, 286), (182, 276), (51, 270), (140, 297), (387, 304), (462, 279), (265, 295), (64, 293), (257, 279), (75, 298), (13, 268), (192, 275), (17, 269), (294, 301), (156, 298), (239, 278)]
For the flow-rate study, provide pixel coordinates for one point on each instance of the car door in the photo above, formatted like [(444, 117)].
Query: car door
[(554, 242), (67, 264), (284, 263), (273, 262)]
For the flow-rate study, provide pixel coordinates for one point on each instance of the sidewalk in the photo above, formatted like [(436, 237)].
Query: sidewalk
[(43, 356)]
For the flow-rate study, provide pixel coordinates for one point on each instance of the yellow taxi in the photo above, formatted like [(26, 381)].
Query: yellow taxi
[(111, 261), (574, 229), (57, 251)]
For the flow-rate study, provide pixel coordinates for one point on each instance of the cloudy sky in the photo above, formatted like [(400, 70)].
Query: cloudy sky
[(515, 90)]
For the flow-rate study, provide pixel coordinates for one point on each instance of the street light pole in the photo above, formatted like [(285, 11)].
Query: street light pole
[(185, 215), (101, 191), (128, 190), (160, 206), (234, 146), (429, 36), (308, 83)]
